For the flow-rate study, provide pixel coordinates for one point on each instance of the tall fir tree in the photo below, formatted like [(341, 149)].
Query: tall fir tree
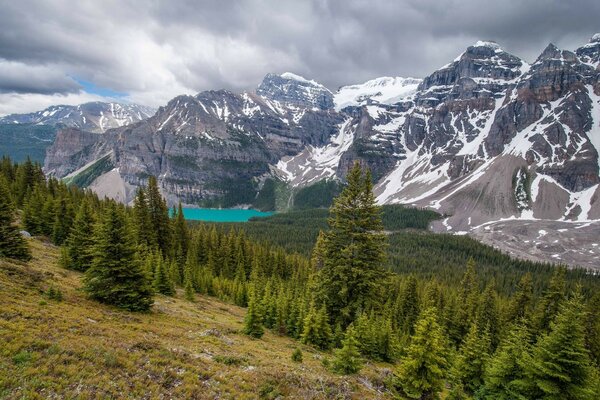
[(316, 328), (253, 321), (352, 276), (421, 372), (548, 307), (78, 246), (159, 217), (505, 372), (469, 367), (12, 243), (116, 276), (347, 360), (163, 283), (145, 233), (560, 366), (63, 220), (521, 302)]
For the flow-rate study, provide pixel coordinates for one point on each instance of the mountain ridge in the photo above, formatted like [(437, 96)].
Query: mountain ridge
[(439, 142)]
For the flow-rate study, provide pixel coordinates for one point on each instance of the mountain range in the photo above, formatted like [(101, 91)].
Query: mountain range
[(488, 140)]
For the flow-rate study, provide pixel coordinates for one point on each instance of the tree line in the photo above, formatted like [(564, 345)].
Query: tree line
[(465, 338)]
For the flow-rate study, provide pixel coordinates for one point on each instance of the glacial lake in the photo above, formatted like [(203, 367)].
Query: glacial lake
[(222, 214)]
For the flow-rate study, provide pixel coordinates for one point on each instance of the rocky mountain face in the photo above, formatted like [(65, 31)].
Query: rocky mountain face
[(487, 137), (91, 117), (215, 145)]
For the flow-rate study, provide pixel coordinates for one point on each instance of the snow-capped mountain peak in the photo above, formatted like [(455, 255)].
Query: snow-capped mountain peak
[(489, 44), (92, 117), (384, 90)]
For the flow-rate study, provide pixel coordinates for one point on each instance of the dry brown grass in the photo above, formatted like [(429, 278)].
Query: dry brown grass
[(78, 348)]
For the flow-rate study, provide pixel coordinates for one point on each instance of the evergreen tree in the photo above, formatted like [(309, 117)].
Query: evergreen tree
[(145, 233), (162, 279), (520, 304), (560, 366), (159, 216), (12, 244), (505, 372), (409, 306), (253, 320), (79, 244), (317, 331), (115, 275), (549, 305), (63, 220), (487, 314), (352, 275), (471, 361), (422, 370), (468, 297), (347, 359), (181, 238)]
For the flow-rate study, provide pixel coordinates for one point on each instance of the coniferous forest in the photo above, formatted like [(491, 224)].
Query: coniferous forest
[(453, 318)]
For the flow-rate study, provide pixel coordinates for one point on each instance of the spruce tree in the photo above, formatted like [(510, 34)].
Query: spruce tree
[(352, 275), (181, 238), (145, 233), (505, 372), (115, 275), (471, 361), (521, 301), (347, 359), (162, 279), (316, 328), (78, 245), (549, 305), (159, 217), (63, 220), (12, 244), (560, 366), (253, 320), (422, 370)]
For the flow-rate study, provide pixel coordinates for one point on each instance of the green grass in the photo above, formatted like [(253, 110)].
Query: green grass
[(77, 348)]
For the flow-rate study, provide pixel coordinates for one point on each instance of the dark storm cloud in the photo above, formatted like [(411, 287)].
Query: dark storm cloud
[(154, 50)]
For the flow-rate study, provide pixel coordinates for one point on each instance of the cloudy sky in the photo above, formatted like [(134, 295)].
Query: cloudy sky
[(148, 51)]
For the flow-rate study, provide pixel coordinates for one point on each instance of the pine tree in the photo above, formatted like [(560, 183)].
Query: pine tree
[(115, 275), (487, 314), (560, 366), (63, 220), (159, 216), (145, 233), (12, 244), (347, 359), (409, 306), (316, 328), (549, 305), (78, 245), (181, 238), (422, 370), (505, 372), (467, 303), (352, 275), (471, 361), (253, 320), (162, 280), (520, 303)]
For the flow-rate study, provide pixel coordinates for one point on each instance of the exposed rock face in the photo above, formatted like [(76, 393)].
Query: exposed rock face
[(215, 144), (92, 117), (457, 141)]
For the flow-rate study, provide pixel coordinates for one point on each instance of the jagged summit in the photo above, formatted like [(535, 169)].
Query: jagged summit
[(488, 43), (294, 89), (595, 38), (383, 90)]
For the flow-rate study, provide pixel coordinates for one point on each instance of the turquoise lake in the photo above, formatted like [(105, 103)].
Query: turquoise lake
[(222, 215)]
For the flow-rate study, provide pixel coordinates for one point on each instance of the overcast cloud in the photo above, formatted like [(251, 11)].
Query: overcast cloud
[(154, 50)]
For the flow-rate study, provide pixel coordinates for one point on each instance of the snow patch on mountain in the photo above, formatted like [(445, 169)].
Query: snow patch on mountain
[(384, 90)]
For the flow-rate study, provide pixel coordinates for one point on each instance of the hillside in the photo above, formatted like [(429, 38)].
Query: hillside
[(79, 348)]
